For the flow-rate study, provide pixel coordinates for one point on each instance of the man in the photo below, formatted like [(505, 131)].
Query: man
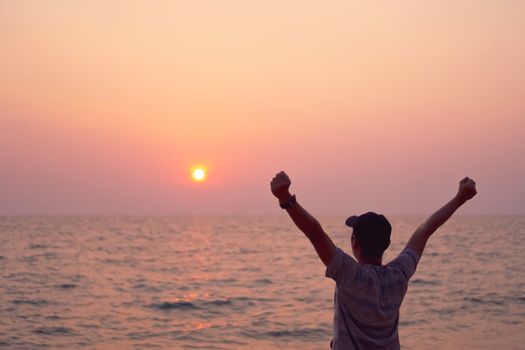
[(368, 294)]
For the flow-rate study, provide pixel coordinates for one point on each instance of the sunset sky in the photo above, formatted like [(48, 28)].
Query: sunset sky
[(107, 106)]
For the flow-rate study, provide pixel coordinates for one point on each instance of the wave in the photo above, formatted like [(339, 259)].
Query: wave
[(38, 246), (421, 281), (54, 331), (206, 304), (264, 281), (41, 302), (484, 301), (300, 333), (496, 300), (219, 302), (178, 305)]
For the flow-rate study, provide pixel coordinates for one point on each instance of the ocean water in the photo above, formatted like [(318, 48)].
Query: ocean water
[(242, 283)]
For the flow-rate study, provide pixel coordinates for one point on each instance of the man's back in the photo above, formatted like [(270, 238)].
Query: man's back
[(367, 300)]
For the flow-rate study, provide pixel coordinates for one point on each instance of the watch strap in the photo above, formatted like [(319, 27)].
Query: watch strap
[(290, 202)]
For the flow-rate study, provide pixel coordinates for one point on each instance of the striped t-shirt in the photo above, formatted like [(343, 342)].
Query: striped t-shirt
[(367, 300)]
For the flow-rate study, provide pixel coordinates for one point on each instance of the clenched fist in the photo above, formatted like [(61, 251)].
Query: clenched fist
[(280, 186), (467, 189)]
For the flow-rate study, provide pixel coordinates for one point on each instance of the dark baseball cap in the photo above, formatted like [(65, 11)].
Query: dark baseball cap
[(372, 230)]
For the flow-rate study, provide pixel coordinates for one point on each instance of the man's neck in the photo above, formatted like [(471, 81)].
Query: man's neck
[(365, 260)]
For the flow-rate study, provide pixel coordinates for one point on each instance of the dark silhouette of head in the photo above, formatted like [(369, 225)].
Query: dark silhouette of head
[(371, 234)]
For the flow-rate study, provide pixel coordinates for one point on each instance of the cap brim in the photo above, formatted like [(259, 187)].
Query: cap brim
[(351, 221)]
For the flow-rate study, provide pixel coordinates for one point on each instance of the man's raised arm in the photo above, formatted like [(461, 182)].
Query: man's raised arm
[(467, 190), (309, 225)]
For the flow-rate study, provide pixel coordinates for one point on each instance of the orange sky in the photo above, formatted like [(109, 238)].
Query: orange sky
[(105, 106)]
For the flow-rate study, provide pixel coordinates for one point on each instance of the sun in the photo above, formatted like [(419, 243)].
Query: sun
[(198, 173)]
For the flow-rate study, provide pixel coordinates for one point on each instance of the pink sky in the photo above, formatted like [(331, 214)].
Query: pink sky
[(105, 106)]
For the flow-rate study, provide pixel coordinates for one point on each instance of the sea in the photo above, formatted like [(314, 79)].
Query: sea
[(243, 282)]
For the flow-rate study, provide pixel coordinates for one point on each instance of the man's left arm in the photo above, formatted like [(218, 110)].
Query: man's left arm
[(418, 240), (304, 221)]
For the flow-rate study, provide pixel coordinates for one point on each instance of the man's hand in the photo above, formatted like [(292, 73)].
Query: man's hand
[(467, 189), (280, 186)]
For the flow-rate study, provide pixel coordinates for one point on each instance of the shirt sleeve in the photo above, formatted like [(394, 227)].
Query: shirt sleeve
[(342, 269), (406, 262)]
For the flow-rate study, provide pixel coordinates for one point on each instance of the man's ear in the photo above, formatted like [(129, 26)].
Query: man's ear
[(355, 244)]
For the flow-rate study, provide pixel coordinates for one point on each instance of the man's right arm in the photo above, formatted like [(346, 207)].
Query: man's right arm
[(418, 241), (309, 225)]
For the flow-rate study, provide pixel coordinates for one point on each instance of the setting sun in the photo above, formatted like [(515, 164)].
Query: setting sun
[(198, 174)]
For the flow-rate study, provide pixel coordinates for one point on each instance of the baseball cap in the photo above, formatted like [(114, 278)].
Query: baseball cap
[(372, 230)]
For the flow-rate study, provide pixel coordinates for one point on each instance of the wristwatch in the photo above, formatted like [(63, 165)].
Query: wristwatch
[(290, 202)]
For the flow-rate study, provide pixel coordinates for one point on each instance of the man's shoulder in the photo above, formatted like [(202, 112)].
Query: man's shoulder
[(406, 262), (342, 266), (407, 254)]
